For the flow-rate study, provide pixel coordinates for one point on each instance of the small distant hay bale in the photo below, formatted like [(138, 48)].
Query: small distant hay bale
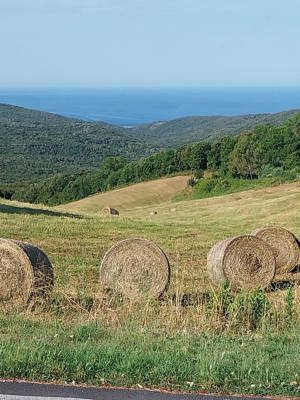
[(136, 268), (246, 262), (173, 210), (110, 211), (25, 273), (284, 245), (153, 213)]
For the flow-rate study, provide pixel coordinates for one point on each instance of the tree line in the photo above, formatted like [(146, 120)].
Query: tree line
[(264, 150)]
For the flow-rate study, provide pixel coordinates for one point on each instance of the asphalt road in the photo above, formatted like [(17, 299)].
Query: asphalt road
[(36, 391)]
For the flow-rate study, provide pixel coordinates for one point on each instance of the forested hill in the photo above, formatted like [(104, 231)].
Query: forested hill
[(181, 131), (37, 144), (267, 152)]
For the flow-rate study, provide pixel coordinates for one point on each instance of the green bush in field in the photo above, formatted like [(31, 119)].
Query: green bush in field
[(192, 182), (290, 308), (220, 303), (258, 306), (199, 173), (238, 312)]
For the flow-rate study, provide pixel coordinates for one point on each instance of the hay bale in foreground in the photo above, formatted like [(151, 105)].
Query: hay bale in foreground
[(25, 272), (110, 211), (246, 262), (284, 245), (137, 268)]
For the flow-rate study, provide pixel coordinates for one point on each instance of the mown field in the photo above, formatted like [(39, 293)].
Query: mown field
[(189, 340), (139, 195)]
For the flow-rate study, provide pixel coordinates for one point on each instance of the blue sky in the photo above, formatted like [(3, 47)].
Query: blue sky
[(143, 43)]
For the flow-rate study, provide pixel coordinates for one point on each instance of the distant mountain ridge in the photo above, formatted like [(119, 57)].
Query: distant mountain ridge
[(36, 144), (180, 131)]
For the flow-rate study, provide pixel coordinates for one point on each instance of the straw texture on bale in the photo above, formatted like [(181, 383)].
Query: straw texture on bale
[(246, 262), (137, 268), (284, 245), (110, 211), (25, 271)]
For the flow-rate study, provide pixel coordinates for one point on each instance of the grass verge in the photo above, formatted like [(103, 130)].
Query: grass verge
[(88, 353)]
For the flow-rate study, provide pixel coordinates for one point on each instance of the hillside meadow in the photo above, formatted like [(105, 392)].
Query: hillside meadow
[(141, 194), (196, 338)]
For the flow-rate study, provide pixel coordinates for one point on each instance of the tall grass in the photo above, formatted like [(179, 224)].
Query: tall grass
[(230, 343)]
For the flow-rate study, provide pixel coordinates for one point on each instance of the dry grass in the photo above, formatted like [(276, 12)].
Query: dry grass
[(76, 247), (140, 194)]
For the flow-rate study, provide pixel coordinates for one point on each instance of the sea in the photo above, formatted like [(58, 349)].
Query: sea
[(137, 106)]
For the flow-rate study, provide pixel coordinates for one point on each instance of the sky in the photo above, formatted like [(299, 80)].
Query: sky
[(149, 43)]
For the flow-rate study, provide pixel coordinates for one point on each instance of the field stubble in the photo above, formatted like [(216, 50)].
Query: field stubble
[(195, 337)]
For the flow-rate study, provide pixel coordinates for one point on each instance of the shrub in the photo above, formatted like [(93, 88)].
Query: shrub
[(198, 174), (290, 305), (192, 182)]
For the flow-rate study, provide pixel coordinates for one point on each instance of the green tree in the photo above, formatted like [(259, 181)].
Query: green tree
[(246, 158), (214, 156), (219, 154), (292, 142), (226, 148), (198, 155)]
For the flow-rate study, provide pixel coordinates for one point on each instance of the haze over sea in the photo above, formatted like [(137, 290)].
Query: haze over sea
[(131, 107)]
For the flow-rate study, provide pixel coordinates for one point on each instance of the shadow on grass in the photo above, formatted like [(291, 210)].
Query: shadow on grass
[(8, 209), (190, 299), (292, 279)]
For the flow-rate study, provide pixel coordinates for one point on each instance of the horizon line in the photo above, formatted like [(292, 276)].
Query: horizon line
[(154, 87)]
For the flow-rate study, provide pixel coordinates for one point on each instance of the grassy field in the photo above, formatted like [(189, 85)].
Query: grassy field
[(190, 340), (140, 194)]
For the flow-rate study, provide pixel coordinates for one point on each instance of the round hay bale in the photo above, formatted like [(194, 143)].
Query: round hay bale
[(246, 262), (25, 271), (110, 211), (137, 268), (153, 213), (284, 245)]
